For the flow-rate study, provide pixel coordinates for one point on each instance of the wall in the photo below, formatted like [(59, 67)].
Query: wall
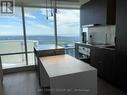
[(102, 34)]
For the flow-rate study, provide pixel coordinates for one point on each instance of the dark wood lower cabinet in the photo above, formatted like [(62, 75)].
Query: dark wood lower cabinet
[(121, 44), (97, 60), (111, 66), (104, 60), (121, 71), (1, 72)]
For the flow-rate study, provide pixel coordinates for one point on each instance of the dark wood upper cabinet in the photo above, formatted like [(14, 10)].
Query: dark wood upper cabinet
[(98, 12), (121, 26)]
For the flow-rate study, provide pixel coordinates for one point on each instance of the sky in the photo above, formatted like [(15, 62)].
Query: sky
[(36, 23)]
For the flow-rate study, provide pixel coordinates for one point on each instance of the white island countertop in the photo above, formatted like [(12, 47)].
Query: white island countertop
[(59, 65), (47, 47)]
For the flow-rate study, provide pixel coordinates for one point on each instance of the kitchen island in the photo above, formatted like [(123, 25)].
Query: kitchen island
[(66, 75), (47, 50)]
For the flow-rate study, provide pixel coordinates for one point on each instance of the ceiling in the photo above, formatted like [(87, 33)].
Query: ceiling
[(60, 3)]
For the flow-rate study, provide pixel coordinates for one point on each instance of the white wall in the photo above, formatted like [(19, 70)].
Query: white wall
[(102, 34)]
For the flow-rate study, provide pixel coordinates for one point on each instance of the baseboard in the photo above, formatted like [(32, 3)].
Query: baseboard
[(19, 69)]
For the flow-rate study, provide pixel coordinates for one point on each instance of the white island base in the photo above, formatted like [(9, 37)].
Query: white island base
[(66, 75)]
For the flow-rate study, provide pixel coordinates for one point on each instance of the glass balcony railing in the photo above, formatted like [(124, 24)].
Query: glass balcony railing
[(13, 52)]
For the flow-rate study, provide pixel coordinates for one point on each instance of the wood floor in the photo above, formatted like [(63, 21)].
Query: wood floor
[(26, 83)]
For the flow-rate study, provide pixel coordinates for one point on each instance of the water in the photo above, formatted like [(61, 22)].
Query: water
[(45, 39)]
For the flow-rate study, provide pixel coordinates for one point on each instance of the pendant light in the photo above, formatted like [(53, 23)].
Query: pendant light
[(51, 7)]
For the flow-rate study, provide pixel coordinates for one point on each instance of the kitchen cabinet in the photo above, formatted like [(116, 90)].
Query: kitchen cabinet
[(121, 44), (102, 57), (109, 65), (98, 12), (121, 71), (97, 59), (121, 26), (1, 72), (104, 60)]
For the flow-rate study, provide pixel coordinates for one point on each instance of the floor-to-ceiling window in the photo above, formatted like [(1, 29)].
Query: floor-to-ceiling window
[(12, 39), (68, 28), (39, 29)]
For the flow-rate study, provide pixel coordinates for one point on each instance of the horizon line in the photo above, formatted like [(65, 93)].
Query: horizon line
[(39, 35)]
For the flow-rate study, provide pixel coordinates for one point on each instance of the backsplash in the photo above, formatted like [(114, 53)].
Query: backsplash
[(102, 34)]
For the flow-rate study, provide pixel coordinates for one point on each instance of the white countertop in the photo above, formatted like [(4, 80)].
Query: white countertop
[(59, 65), (47, 47)]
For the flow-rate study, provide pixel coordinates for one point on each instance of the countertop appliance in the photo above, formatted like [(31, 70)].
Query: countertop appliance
[(84, 35)]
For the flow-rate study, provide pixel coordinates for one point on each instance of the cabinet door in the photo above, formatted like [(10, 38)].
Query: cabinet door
[(82, 20), (109, 64), (121, 26), (121, 70), (97, 60), (94, 12), (104, 61), (1, 72), (98, 12)]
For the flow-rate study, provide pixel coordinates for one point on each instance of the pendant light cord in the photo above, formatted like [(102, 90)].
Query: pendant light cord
[(51, 7), (46, 9)]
